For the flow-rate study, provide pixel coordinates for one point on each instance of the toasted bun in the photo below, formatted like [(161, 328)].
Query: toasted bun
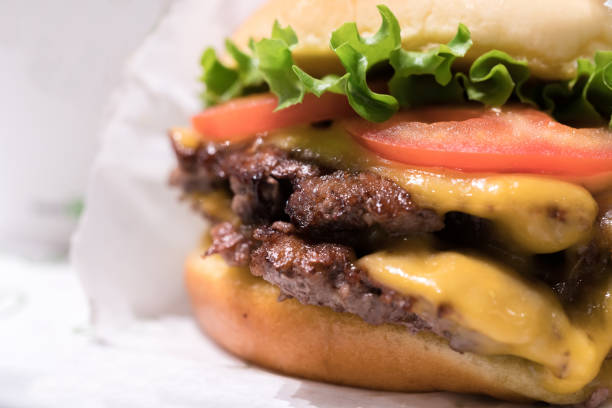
[(242, 314), (549, 34)]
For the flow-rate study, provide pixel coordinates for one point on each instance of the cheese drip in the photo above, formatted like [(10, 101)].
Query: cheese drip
[(522, 318), (536, 214)]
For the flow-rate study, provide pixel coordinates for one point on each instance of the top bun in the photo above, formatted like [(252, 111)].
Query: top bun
[(549, 34)]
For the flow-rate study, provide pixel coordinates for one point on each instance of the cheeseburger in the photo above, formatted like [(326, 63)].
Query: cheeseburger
[(410, 196)]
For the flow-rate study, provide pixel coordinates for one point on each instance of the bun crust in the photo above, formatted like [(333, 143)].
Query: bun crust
[(549, 34), (242, 314)]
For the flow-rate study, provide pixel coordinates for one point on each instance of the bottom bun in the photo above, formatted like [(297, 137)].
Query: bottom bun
[(242, 314)]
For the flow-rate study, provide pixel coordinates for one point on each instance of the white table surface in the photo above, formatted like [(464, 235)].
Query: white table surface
[(50, 358)]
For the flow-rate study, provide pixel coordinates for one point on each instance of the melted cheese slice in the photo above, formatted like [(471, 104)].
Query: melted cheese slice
[(522, 318), (537, 214)]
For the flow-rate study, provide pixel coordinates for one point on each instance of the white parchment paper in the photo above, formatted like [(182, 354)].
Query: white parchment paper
[(135, 234)]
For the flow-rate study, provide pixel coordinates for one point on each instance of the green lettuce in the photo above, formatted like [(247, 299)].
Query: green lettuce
[(425, 77), (222, 83), (418, 77), (494, 77), (586, 98)]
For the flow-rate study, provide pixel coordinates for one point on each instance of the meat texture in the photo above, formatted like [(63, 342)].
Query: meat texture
[(232, 243), (346, 207), (325, 274), (269, 185), (260, 179)]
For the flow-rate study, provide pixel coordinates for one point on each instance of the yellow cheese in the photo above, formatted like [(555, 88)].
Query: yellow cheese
[(215, 204), (186, 137), (518, 317), (538, 214), (521, 318)]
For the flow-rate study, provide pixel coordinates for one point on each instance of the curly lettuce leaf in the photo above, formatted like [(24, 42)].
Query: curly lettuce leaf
[(284, 34), (285, 79), (375, 48), (565, 99), (586, 99), (419, 77), (424, 77), (368, 104), (329, 83), (221, 83), (275, 63), (358, 54), (598, 90), (436, 62), (248, 73), (494, 77)]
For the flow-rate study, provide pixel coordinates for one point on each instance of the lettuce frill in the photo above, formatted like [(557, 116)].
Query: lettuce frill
[(418, 77)]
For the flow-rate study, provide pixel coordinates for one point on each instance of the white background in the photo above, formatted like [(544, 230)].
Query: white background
[(59, 62)]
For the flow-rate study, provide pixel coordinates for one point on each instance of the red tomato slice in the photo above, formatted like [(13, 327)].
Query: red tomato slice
[(512, 139), (242, 118)]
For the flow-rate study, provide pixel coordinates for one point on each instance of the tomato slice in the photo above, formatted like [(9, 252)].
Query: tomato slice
[(242, 118), (515, 138)]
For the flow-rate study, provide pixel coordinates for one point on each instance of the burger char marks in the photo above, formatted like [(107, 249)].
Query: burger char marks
[(233, 243), (268, 185), (342, 205), (335, 213), (321, 274), (199, 169), (260, 178), (325, 274)]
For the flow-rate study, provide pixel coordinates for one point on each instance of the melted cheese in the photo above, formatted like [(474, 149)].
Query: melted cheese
[(540, 215), (215, 204), (188, 138), (537, 214), (522, 318)]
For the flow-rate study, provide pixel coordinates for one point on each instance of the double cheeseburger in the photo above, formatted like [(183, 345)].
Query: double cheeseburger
[(410, 196)]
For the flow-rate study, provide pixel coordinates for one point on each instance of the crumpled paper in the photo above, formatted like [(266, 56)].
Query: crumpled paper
[(135, 234)]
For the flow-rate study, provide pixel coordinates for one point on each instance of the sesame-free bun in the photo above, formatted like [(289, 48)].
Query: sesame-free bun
[(242, 314), (549, 34)]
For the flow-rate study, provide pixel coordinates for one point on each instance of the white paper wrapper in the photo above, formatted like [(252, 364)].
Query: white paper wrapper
[(59, 63), (135, 234)]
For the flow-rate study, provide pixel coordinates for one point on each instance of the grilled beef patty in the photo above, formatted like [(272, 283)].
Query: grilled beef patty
[(268, 185), (325, 274), (303, 225)]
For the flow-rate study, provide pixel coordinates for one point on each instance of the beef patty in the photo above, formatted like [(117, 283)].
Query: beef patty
[(358, 209), (325, 274), (303, 226)]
